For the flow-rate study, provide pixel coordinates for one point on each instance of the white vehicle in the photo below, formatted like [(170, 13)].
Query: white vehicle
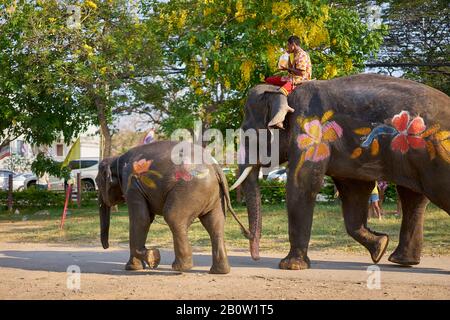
[(87, 167), (279, 174), (18, 179)]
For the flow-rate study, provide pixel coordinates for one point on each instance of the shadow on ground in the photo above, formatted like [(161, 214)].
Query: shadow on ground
[(113, 261)]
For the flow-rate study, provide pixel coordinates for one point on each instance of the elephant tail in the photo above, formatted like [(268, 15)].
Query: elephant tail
[(227, 201)]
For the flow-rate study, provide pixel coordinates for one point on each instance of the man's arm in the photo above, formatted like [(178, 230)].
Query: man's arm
[(297, 72), (299, 66)]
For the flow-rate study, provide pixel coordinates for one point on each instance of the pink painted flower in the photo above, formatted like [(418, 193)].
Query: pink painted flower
[(409, 132)]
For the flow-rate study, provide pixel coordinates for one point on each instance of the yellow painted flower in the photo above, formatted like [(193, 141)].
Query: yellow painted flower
[(443, 144)]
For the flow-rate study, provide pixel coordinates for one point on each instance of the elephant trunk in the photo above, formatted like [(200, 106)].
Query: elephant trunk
[(105, 215), (252, 194)]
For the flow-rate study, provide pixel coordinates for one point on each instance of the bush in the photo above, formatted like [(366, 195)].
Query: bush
[(390, 194), (39, 199), (274, 192)]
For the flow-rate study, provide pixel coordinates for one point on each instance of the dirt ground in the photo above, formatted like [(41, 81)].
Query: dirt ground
[(39, 271)]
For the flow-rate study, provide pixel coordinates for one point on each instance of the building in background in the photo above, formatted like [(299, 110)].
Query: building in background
[(89, 148)]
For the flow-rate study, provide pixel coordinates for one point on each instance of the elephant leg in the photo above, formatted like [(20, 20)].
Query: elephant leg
[(214, 223), (179, 218), (355, 195), (411, 233), (140, 221), (301, 198)]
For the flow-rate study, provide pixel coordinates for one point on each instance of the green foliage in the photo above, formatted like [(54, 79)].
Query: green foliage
[(41, 199), (220, 49), (43, 164), (17, 163), (419, 35), (390, 194), (35, 101), (55, 78), (274, 192)]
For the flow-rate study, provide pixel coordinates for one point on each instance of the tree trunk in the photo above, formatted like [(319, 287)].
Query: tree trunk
[(107, 139)]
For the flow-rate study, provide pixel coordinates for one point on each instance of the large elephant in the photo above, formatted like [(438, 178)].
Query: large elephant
[(152, 183), (356, 129)]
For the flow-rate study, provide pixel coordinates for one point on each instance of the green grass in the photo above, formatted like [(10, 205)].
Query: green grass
[(82, 226)]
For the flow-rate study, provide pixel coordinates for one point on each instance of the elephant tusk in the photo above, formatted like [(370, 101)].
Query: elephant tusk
[(242, 177), (271, 134)]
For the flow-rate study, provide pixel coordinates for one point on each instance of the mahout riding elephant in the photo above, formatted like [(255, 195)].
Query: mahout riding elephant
[(356, 129), (153, 183)]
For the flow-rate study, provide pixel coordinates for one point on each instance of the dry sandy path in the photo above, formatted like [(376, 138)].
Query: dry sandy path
[(38, 271)]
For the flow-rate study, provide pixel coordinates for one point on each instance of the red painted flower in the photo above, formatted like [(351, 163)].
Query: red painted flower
[(183, 174), (409, 132)]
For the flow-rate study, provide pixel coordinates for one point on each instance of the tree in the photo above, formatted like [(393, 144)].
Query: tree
[(217, 50), (91, 56), (418, 42), (34, 103)]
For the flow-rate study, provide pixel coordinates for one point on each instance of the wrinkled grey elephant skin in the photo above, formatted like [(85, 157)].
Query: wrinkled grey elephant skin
[(153, 184), (357, 129)]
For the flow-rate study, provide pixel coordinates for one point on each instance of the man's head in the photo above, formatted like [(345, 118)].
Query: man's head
[(293, 44)]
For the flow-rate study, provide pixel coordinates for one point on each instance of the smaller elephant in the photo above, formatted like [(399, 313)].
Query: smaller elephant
[(152, 183)]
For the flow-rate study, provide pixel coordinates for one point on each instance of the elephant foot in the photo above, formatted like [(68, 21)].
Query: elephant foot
[(380, 247), (134, 264), (152, 258), (220, 269), (403, 259), (182, 266), (295, 263)]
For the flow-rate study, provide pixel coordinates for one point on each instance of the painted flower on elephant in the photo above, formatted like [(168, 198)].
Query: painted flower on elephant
[(141, 166), (183, 175), (142, 172), (315, 141), (317, 136), (443, 144), (409, 132), (406, 133), (187, 173)]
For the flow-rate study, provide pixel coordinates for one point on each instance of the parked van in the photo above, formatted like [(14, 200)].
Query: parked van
[(88, 167)]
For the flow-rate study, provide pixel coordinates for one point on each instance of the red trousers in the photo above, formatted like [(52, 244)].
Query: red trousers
[(286, 86)]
